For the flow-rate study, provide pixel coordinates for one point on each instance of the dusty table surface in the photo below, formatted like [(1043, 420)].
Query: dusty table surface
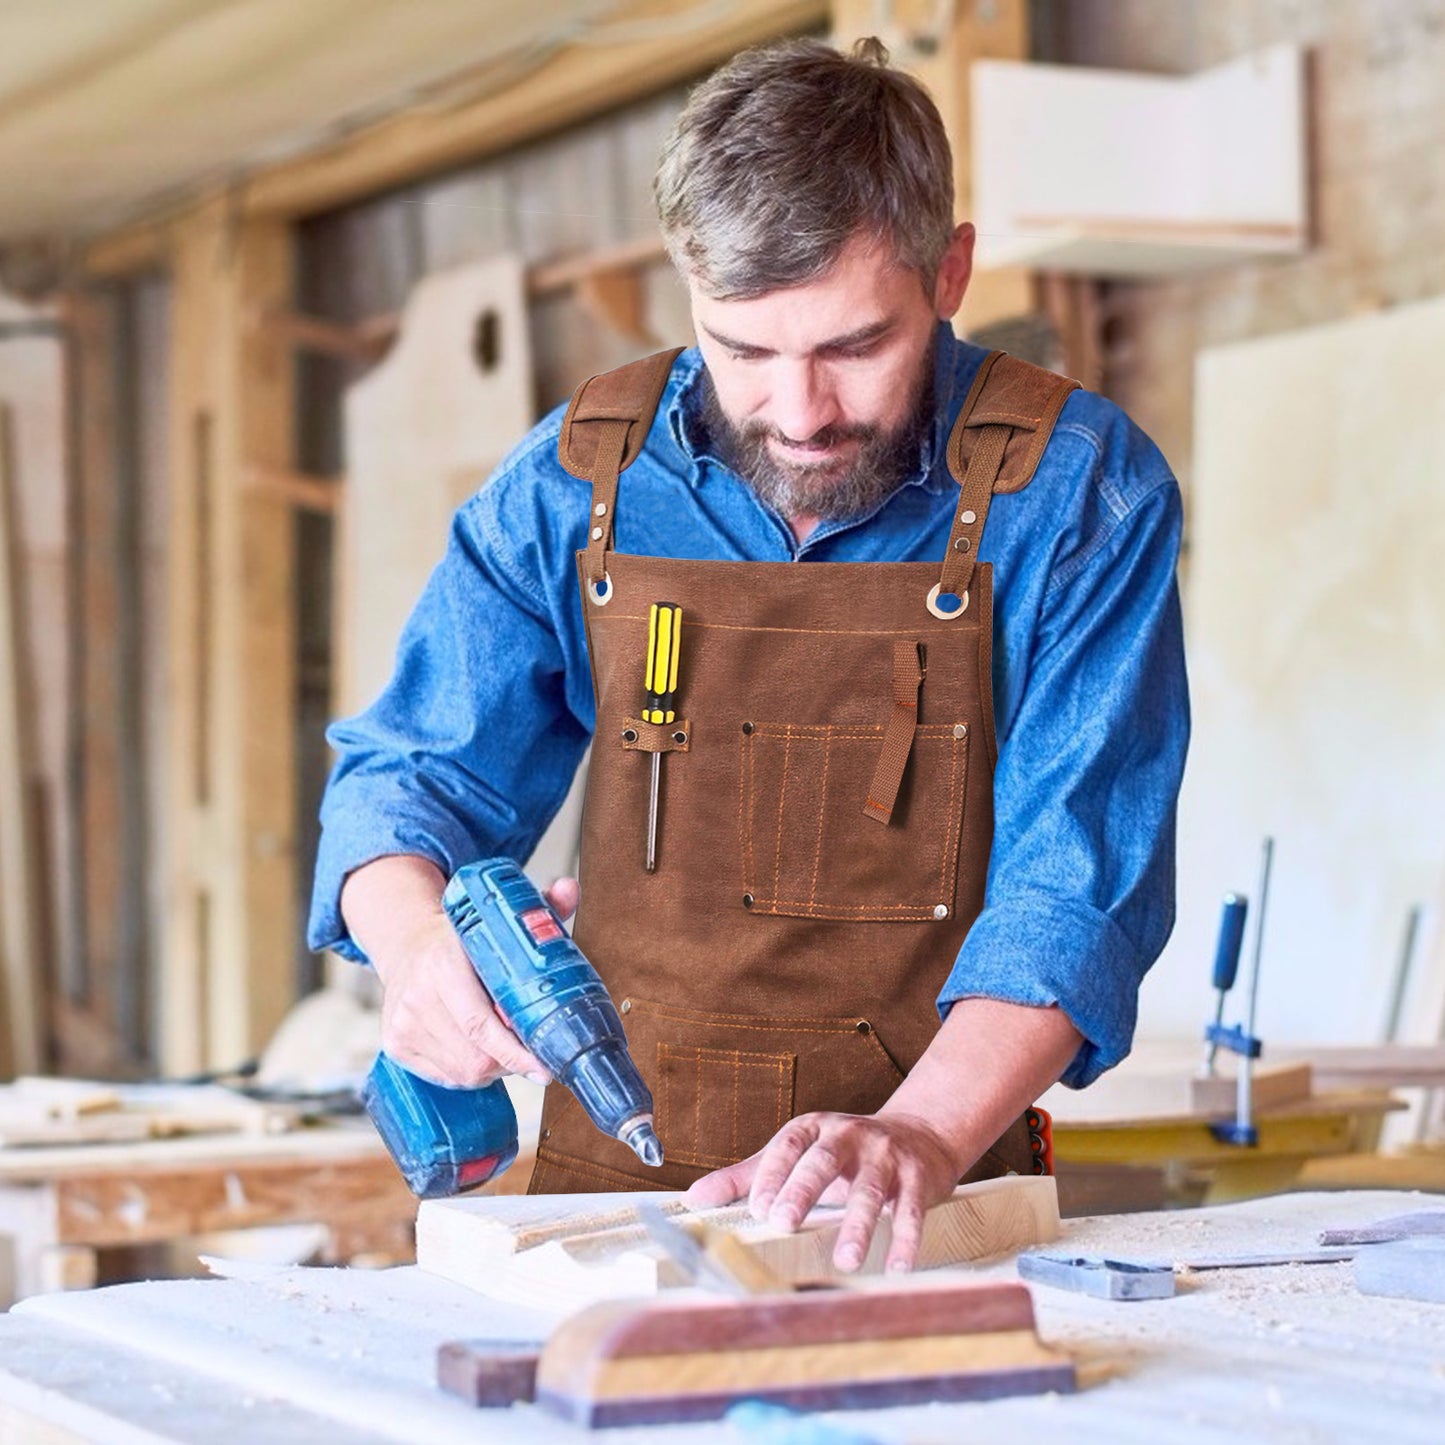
[(1290, 1354)]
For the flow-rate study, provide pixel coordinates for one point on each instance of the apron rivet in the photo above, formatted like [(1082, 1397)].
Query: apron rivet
[(601, 509), (863, 1026), (747, 900), (626, 1006), (960, 730), (597, 534), (546, 1134), (679, 737), (629, 735), (941, 911), (962, 545), (969, 517), (747, 730)]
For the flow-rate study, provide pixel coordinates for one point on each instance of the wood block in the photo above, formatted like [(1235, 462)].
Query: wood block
[(566, 1251), (617, 1364), (1273, 1085)]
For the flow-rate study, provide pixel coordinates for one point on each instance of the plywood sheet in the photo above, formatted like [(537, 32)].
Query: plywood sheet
[(1317, 660)]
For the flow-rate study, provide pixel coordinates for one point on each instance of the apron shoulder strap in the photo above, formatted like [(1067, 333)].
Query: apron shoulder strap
[(996, 446), (603, 434)]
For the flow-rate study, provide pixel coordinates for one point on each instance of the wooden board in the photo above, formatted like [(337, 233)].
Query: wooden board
[(423, 431), (561, 1252), (1316, 658)]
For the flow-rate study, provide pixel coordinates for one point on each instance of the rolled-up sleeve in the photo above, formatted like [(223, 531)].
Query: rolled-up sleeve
[(470, 749), (1080, 898)]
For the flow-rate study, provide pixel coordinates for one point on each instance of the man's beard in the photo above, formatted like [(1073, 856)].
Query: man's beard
[(835, 489)]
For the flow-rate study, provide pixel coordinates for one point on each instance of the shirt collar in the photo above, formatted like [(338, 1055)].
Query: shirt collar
[(685, 408)]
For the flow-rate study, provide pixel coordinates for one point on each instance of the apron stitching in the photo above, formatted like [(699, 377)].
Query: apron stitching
[(922, 909), (737, 1083), (697, 1109), (952, 819), (782, 800), (822, 813), (793, 631)]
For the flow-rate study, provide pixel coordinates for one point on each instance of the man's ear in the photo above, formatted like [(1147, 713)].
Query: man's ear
[(954, 272)]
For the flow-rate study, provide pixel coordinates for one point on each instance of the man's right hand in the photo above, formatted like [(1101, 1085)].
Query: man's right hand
[(436, 1018)]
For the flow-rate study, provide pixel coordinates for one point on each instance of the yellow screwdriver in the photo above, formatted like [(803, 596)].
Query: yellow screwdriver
[(664, 640)]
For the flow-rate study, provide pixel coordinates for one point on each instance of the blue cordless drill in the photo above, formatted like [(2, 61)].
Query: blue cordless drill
[(448, 1140)]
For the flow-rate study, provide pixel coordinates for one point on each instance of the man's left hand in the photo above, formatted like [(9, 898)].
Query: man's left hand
[(873, 1164)]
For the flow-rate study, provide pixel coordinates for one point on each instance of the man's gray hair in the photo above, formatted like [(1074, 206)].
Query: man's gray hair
[(785, 154)]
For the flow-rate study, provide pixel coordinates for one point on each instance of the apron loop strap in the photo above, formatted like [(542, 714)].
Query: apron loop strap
[(973, 499), (602, 434), (908, 673), (996, 445), (606, 467)]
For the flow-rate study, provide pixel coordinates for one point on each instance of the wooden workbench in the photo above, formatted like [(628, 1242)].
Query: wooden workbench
[(298, 1356), (58, 1206)]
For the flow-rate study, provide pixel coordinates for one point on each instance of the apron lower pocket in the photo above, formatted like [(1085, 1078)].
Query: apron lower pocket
[(723, 1083), (809, 850)]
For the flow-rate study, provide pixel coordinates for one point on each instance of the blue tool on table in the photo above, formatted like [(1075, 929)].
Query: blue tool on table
[(448, 1140)]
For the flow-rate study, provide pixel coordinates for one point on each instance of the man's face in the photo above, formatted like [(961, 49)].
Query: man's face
[(821, 392)]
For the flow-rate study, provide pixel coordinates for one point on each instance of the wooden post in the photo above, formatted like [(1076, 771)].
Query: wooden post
[(21, 1042), (227, 973), (995, 31)]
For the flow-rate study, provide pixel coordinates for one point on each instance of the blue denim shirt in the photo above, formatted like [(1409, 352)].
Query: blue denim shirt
[(472, 746)]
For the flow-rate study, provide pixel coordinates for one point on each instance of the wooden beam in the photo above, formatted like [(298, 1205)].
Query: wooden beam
[(576, 84), (21, 1042), (131, 251), (941, 61), (230, 930)]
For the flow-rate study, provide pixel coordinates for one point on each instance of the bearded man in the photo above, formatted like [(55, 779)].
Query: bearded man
[(916, 847)]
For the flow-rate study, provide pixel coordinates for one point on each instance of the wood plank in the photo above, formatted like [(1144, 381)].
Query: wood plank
[(942, 61), (473, 1242), (20, 987), (230, 932)]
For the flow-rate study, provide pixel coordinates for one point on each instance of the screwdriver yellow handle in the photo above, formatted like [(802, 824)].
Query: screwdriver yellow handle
[(664, 641)]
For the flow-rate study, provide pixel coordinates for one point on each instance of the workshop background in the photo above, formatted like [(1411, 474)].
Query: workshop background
[(279, 283)]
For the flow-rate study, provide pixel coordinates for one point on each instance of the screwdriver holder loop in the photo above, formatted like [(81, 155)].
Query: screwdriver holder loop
[(639, 736)]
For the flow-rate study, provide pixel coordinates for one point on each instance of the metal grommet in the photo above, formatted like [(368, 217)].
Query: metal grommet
[(747, 730), (960, 730), (601, 509), (601, 598), (597, 534), (747, 900), (933, 607), (629, 735), (962, 545), (863, 1026), (679, 737), (625, 1006), (968, 517), (546, 1134), (941, 911)]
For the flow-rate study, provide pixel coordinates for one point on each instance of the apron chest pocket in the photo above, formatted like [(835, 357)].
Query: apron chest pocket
[(809, 851)]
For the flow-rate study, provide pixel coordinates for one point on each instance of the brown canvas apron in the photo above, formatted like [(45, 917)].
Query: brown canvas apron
[(826, 806)]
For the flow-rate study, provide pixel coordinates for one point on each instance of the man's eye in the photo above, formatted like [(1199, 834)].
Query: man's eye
[(738, 355)]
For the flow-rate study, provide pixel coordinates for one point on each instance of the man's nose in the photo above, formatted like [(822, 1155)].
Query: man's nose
[(803, 401)]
